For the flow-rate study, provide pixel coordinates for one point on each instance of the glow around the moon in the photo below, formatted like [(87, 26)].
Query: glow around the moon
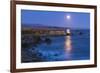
[(68, 16)]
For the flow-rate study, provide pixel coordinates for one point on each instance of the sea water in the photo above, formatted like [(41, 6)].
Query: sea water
[(62, 48)]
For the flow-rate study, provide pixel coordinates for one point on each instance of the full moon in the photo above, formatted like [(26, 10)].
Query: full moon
[(68, 16)]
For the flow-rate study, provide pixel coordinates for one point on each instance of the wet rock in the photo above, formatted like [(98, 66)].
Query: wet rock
[(48, 40), (80, 33)]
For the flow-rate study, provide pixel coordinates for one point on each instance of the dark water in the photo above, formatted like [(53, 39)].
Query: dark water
[(60, 48)]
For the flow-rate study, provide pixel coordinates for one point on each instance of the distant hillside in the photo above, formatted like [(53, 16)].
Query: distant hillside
[(40, 26)]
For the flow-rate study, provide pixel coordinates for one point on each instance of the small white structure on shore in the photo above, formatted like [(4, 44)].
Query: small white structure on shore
[(68, 32)]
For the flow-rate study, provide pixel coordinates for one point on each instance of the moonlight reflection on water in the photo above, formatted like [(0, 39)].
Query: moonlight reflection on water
[(68, 46)]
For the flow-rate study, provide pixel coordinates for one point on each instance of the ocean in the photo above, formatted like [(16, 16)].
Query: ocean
[(59, 48)]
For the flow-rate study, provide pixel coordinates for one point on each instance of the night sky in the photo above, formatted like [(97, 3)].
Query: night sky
[(78, 20)]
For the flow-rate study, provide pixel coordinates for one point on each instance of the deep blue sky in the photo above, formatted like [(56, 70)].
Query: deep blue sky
[(53, 18)]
